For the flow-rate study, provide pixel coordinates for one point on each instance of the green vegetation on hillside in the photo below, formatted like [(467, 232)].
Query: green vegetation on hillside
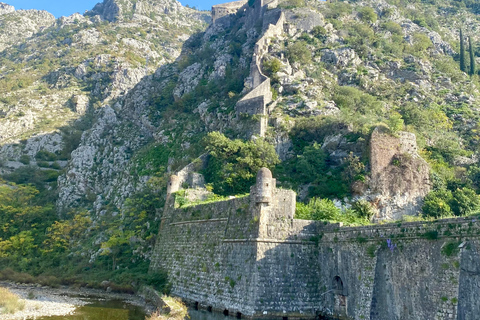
[(233, 164), (54, 250)]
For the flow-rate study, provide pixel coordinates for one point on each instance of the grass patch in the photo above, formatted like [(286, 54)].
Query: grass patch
[(184, 203), (10, 302)]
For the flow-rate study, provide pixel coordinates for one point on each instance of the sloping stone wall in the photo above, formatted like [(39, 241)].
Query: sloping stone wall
[(256, 101)]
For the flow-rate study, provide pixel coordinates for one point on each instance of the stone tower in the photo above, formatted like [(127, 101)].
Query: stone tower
[(264, 186), (173, 185)]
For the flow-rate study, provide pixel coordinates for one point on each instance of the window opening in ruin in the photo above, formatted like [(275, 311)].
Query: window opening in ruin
[(239, 315), (209, 308), (225, 312)]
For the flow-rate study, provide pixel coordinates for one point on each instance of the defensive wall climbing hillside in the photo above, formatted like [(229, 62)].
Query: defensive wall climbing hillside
[(249, 257), (257, 100)]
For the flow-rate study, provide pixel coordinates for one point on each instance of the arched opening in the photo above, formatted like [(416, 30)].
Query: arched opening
[(285, 318), (209, 308), (225, 312), (239, 315), (340, 297), (196, 305), (337, 285)]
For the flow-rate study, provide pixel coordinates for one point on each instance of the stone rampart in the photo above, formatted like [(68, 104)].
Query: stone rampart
[(256, 101), (225, 9), (249, 257)]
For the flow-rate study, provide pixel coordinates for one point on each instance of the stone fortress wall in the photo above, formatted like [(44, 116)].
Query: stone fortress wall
[(249, 257), (256, 101), (225, 9)]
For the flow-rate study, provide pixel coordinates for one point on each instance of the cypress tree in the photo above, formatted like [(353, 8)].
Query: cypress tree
[(463, 65), (472, 57)]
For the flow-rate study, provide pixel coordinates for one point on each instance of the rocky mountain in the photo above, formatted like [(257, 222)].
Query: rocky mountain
[(83, 95), (57, 75)]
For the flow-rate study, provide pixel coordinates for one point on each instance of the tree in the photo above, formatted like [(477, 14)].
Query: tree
[(233, 164), (464, 201), (472, 57), (463, 65), (436, 204)]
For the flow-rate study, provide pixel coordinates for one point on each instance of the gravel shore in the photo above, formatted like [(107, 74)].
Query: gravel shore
[(44, 301)]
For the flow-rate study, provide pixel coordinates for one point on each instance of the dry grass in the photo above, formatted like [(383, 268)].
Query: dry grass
[(10, 302), (174, 309)]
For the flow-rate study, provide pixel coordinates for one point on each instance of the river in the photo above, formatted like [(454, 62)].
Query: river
[(121, 310)]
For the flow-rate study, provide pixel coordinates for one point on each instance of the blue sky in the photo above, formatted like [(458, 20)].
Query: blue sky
[(67, 7)]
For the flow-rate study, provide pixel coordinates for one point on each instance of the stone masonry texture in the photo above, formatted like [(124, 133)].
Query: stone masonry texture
[(253, 258)]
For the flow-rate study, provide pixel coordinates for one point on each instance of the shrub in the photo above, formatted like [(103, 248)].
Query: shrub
[(325, 210), (464, 201), (352, 99), (450, 249), (436, 204), (272, 66), (319, 32), (368, 15), (45, 155), (298, 52), (393, 28), (10, 302), (25, 159), (293, 3), (318, 209), (337, 10), (363, 209), (395, 122), (420, 43)]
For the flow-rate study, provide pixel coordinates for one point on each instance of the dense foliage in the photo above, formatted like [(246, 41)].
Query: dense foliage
[(36, 241), (233, 164), (325, 210)]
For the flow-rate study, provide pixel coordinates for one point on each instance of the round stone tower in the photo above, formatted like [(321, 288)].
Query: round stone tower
[(264, 186), (173, 184)]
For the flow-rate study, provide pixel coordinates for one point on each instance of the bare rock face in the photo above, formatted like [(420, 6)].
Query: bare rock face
[(17, 26), (399, 176), (6, 8), (113, 10), (108, 10)]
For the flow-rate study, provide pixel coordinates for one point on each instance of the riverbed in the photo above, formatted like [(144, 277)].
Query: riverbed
[(70, 303), (45, 303)]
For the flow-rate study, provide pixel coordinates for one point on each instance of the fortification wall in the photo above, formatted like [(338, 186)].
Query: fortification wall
[(225, 9), (203, 266), (256, 101), (251, 257)]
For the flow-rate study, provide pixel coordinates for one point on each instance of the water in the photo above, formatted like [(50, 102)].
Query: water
[(121, 310), (104, 310), (205, 315)]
